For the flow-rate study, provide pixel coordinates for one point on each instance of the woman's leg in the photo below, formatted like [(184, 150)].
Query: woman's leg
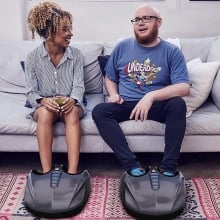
[(45, 120), (73, 137)]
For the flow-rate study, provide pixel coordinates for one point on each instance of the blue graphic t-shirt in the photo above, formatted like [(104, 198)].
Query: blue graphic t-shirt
[(138, 70)]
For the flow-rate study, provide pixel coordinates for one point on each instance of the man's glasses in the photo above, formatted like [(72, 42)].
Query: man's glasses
[(144, 19)]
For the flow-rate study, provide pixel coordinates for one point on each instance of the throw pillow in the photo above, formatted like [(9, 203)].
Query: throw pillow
[(22, 65), (102, 63), (27, 104), (202, 76)]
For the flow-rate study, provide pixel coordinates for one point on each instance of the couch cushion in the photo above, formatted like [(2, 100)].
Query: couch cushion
[(13, 116), (13, 52), (196, 47), (205, 120), (92, 73), (201, 76), (214, 55), (214, 51), (6, 86)]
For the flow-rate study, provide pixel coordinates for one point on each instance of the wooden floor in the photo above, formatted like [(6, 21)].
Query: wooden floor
[(190, 164)]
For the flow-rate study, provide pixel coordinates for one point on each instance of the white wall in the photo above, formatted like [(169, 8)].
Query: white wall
[(110, 20), (11, 19)]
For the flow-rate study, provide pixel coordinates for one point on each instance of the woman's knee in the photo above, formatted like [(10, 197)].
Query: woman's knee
[(73, 117), (44, 116)]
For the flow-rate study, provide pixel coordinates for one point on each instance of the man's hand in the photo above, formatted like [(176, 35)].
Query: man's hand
[(141, 110), (116, 98)]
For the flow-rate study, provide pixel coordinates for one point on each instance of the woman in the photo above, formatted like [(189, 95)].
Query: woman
[(52, 68)]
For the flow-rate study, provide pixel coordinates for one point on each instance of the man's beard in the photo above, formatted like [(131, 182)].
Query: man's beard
[(147, 39)]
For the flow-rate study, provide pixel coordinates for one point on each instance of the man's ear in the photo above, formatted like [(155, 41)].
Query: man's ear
[(159, 22)]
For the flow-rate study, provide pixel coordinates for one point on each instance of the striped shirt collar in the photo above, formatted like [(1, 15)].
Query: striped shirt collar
[(44, 53)]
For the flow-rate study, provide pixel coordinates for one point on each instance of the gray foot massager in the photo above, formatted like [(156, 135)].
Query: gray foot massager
[(153, 195), (56, 193)]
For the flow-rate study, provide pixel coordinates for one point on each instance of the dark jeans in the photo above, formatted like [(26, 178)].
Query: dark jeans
[(172, 112)]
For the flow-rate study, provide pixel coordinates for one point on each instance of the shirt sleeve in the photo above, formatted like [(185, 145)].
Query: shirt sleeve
[(32, 90), (178, 68), (111, 67), (78, 87)]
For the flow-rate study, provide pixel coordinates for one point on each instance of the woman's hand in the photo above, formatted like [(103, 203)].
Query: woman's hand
[(69, 104), (50, 104)]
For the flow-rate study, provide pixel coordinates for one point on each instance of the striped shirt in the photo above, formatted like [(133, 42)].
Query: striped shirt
[(44, 79)]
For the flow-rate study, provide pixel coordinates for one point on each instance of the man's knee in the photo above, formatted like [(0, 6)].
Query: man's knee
[(178, 104), (98, 111)]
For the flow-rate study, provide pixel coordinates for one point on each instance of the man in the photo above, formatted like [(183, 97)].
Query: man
[(146, 78)]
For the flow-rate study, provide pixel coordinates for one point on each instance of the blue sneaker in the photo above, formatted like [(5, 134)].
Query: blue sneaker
[(137, 172), (168, 173)]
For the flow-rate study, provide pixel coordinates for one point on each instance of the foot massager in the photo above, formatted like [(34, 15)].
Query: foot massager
[(56, 193), (153, 194)]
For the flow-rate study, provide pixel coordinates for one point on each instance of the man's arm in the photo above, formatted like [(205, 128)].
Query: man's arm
[(112, 89), (180, 89), (143, 106)]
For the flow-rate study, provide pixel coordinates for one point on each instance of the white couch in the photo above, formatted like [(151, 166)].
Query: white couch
[(17, 133)]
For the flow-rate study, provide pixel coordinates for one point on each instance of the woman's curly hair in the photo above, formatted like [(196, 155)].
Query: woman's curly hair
[(45, 19)]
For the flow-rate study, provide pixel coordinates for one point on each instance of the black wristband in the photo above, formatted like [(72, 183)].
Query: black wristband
[(39, 100), (76, 102)]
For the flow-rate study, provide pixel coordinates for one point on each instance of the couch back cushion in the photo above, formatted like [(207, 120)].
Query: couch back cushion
[(12, 77), (196, 48), (92, 73), (214, 55)]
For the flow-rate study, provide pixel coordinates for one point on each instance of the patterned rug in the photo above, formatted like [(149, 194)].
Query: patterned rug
[(203, 199)]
